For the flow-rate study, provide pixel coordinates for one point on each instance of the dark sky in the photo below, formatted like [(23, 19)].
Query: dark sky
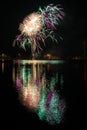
[(73, 29)]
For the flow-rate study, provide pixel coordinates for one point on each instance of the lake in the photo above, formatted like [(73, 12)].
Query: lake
[(43, 93)]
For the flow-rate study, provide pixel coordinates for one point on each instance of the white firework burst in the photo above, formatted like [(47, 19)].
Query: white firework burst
[(31, 25)]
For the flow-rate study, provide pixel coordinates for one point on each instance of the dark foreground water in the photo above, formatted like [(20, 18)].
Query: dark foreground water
[(43, 94)]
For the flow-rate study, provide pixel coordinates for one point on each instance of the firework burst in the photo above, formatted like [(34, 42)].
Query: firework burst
[(31, 25), (38, 26)]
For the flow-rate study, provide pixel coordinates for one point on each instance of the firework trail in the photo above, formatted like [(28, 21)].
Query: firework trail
[(38, 26)]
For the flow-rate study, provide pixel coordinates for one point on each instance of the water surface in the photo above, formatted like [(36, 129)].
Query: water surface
[(44, 93)]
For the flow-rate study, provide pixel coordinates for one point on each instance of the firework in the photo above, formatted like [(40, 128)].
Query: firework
[(51, 15), (31, 25), (38, 26)]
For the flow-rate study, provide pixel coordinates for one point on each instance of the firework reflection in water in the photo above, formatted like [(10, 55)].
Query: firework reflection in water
[(38, 93)]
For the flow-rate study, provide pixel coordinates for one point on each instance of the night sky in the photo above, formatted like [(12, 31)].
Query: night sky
[(73, 28)]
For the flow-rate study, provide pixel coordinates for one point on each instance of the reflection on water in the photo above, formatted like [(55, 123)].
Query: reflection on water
[(38, 87), (3, 66)]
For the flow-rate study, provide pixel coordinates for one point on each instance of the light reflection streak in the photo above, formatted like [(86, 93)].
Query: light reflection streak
[(3, 64), (23, 62)]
